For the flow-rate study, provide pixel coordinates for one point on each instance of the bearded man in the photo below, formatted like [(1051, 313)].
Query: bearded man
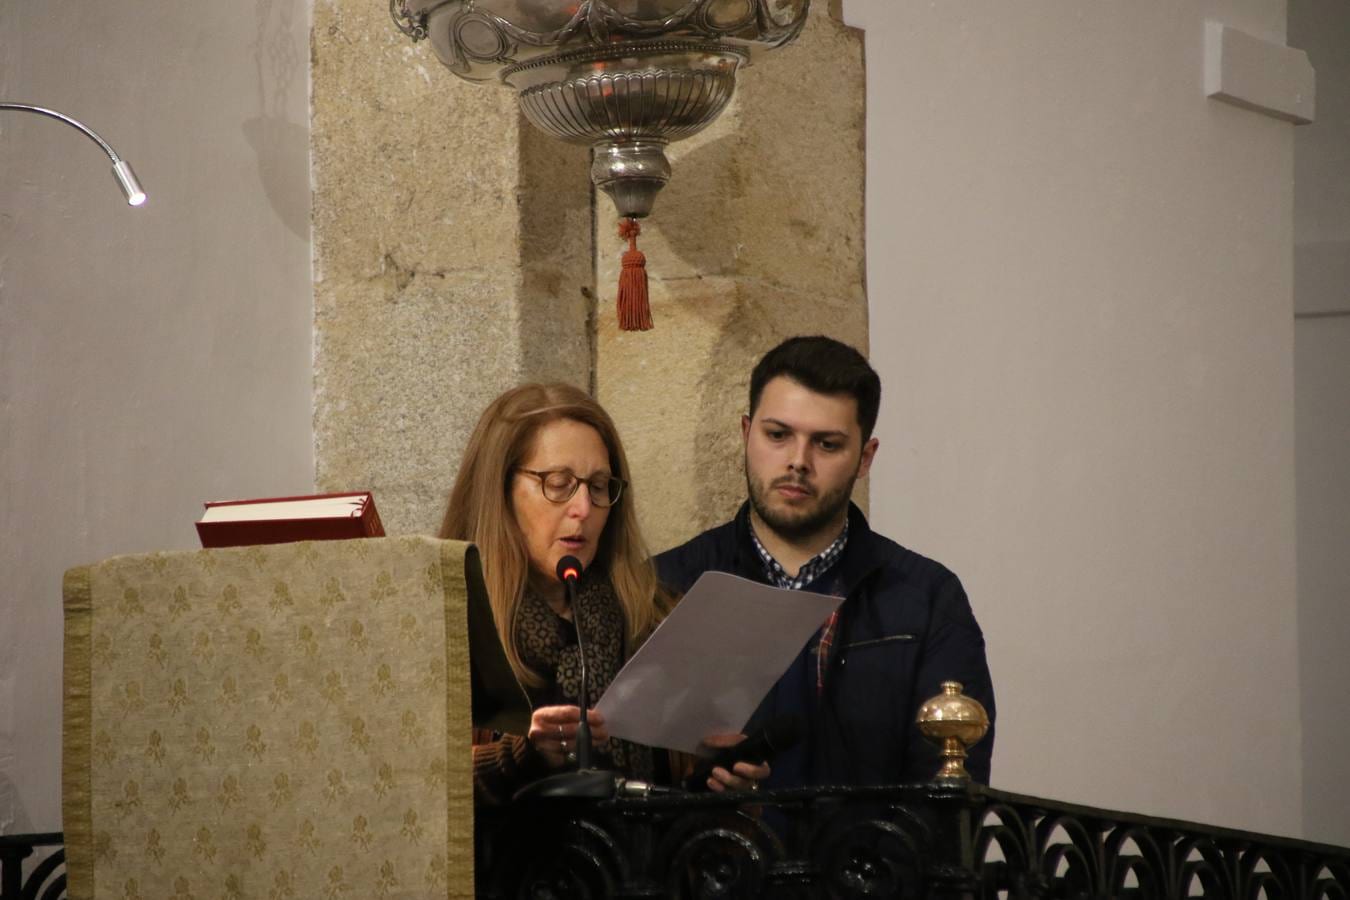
[(905, 625)]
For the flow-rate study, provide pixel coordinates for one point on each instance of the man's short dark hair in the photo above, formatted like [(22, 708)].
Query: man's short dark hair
[(825, 366)]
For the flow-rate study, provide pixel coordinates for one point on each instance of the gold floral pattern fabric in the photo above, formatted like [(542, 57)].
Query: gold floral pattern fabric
[(274, 722)]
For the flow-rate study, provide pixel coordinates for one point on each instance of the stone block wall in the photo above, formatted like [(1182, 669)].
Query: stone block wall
[(458, 252)]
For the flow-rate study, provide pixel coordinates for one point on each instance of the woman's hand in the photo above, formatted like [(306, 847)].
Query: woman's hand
[(743, 776), (553, 732)]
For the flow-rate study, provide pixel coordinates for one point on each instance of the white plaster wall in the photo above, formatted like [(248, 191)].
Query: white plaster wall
[(149, 359), (1079, 272), (1322, 416)]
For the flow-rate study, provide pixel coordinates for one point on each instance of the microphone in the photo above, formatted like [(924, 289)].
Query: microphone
[(760, 747), (584, 782), (569, 573)]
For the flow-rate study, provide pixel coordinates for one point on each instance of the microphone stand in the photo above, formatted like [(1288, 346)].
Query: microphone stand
[(584, 744), (584, 783)]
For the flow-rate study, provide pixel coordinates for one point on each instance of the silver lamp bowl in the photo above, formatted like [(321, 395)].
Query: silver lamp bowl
[(625, 77)]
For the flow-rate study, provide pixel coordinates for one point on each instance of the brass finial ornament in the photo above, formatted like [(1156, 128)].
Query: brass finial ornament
[(954, 722)]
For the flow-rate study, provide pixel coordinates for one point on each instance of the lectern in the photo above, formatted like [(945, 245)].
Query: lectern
[(283, 721)]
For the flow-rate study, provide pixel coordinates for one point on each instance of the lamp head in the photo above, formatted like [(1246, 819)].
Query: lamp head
[(126, 180)]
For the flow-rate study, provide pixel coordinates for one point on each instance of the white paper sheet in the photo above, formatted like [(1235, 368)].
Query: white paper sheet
[(710, 663)]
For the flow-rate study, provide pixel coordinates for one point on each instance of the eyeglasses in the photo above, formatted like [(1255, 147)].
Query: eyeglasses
[(560, 485)]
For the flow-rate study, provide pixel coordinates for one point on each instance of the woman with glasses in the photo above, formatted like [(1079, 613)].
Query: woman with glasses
[(545, 476)]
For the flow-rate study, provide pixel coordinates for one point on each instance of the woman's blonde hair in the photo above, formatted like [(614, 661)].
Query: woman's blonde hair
[(480, 510)]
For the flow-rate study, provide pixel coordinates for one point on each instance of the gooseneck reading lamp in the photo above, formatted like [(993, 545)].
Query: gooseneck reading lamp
[(126, 179)]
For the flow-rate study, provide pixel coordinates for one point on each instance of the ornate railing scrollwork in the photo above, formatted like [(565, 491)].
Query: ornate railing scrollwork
[(552, 858), (708, 855), (47, 878), (939, 841), (866, 850), (1131, 854), (1029, 848), (942, 841), (1328, 882)]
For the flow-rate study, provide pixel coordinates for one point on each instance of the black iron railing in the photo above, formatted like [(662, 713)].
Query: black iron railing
[(920, 841), (905, 842), (1029, 847), (47, 878)]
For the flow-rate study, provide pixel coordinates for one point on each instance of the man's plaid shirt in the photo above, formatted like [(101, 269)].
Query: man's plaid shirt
[(815, 567)]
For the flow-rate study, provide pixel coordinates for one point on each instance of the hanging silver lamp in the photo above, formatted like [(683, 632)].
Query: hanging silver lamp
[(625, 77)]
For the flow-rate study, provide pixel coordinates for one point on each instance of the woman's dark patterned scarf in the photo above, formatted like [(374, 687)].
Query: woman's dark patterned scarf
[(548, 646)]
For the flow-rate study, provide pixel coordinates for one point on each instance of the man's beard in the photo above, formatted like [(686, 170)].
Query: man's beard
[(794, 525)]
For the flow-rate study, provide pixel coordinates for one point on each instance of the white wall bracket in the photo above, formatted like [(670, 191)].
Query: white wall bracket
[(1259, 75)]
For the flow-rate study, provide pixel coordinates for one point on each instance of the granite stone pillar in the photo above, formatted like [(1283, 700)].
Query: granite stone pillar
[(452, 260)]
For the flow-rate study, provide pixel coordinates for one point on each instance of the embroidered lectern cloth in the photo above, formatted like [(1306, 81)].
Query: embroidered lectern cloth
[(290, 721)]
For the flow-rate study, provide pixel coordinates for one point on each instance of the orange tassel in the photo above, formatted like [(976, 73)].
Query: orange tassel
[(635, 311)]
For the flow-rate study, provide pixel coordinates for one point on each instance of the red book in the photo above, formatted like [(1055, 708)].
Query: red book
[(281, 520)]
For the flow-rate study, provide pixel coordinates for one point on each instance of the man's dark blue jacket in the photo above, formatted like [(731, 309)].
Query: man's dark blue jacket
[(905, 627)]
